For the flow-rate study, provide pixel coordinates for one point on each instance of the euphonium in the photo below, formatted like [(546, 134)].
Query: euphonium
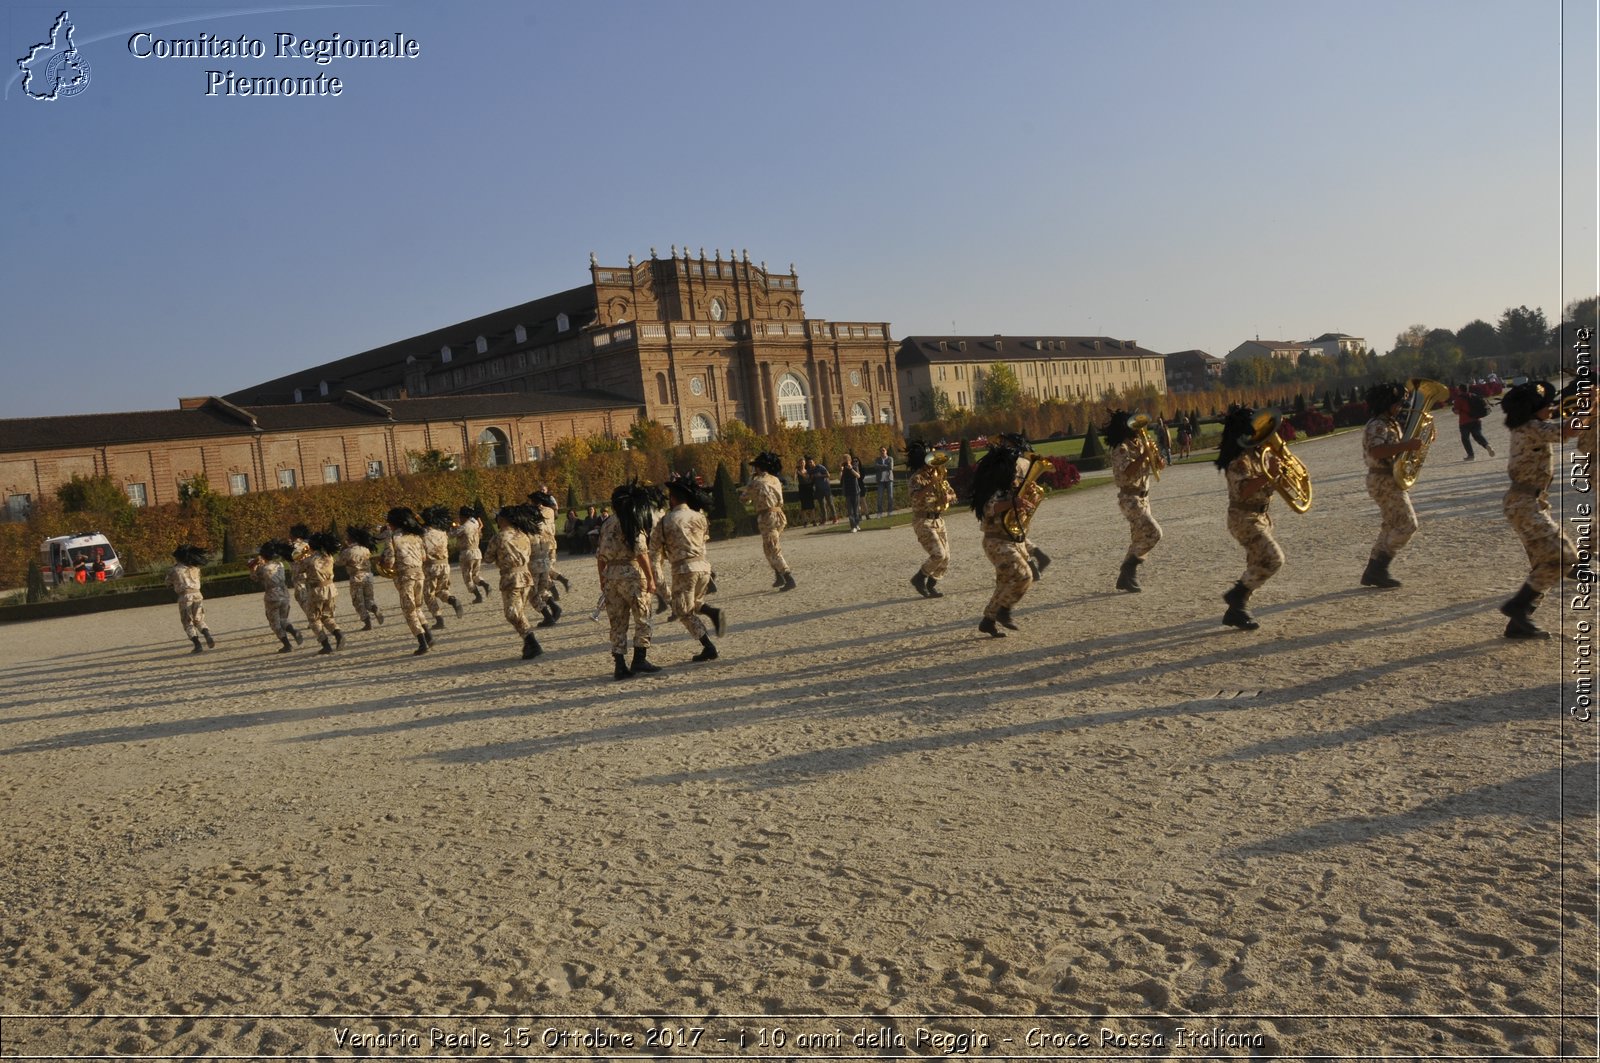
[(1026, 498), (1146, 446), (383, 562), (934, 499), (1424, 395), (1288, 474)]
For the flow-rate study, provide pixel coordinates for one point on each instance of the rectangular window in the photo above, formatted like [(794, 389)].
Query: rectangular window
[(18, 507), (137, 495), (330, 474), (238, 483), (534, 453), (285, 477), (374, 470)]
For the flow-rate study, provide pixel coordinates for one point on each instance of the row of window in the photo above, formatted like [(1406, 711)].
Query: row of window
[(1078, 367)]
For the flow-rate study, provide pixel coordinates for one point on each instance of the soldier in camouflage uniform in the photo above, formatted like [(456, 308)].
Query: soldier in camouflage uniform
[(268, 570), (1249, 491), (405, 557), (357, 561), (1535, 437), (931, 494), (510, 551), (299, 547), (470, 532), (995, 483), (1382, 442), (184, 579), (436, 564), (764, 494), (626, 579), (315, 570), (684, 532), (545, 597), (546, 503), (1131, 468)]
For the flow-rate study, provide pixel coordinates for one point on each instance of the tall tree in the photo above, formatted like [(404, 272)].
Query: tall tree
[(1478, 339), (999, 389), (1523, 330)]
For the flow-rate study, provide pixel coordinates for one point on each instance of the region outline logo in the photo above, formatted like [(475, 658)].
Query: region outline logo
[(66, 72)]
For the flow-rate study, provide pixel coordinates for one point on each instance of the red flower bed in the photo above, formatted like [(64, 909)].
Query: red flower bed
[(1312, 422)]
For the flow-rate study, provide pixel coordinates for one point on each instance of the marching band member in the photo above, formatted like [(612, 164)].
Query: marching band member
[(684, 532), (764, 493), (470, 532), (1249, 491), (1382, 442), (315, 570), (184, 579), (995, 494), (658, 549), (546, 502), (510, 550), (357, 561), (268, 570), (299, 547), (405, 557), (1535, 436), (931, 495), (1131, 467), (436, 567), (626, 578), (542, 593)]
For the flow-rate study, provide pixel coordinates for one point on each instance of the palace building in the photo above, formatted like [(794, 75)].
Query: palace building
[(696, 341)]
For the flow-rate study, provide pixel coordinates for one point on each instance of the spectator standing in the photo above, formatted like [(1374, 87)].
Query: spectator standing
[(885, 465), (808, 493), (1164, 440), (851, 484), (823, 486)]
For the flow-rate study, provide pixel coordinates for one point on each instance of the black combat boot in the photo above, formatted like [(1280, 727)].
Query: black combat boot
[(477, 595), (1377, 573), (422, 645), (640, 665), (1520, 610), (299, 639), (788, 581), (777, 580), (211, 643), (920, 582), (338, 639), (286, 647), (1041, 561), (366, 624), (456, 605), (376, 615), (566, 584), (1237, 598), (1003, 616), (327, 647), (933, 588), (988, 628), (483, 588), (718, 621), (427, 636), (711, 585), (1127, 580), (530, 647), (438, 623), (708, 651), (197, 647), (621, 671)]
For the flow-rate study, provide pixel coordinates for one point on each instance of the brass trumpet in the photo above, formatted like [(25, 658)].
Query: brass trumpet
[(1288, 474), (1026, 498), (1424, 395)]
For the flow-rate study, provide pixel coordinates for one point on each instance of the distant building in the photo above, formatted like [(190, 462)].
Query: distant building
[(239, 449), (1192, 370), (1284, 349), (1065, 368), (696, 341), (1333, 344)]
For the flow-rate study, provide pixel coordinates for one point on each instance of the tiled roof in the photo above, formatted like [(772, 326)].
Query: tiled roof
[(916, 350)]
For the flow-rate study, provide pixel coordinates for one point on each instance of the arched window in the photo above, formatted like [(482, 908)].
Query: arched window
[(792, 405), (493, 448), (562, 323), (858, 413), (882, 385), (700, 430), (522, 334), (661, 389)]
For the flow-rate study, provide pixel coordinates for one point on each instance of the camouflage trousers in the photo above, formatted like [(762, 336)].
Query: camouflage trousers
[(537, 594), (1399, 519), (470, 561), (409, 586), (436, 586), (626, 601), (319, 614), (363, 595), (772, 522), (1262, 554), (1012, 576), (1550, 552), (1146, 532), (514, 606), (688, 595), (277, 614), (932, 537), (192, 614)]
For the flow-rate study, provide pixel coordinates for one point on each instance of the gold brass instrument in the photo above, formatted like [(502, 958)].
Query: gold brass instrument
[(1026, 498), (934, 499), (383, 561), (1146, 446), (1287, 474), (1423, 396)]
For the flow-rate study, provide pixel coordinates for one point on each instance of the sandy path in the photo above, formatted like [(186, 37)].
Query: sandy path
[(865, 807)]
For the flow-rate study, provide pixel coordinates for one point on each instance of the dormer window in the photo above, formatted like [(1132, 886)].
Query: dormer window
[(322, 387), (483, 344), (522, 334), (299, 396), (562, 323), (444, 354)]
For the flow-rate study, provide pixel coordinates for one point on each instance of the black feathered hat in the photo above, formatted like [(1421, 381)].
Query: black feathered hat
[(189, 554), (300, 531), (996, 471), (1238, 434), (543, 498), (437, 517), (326, 542), (277, 548), (1119, 429), (916, 454), (523, 518), (767, 461), (466, 511), (1523, 402), (692, 494), (635, 509), (402, 519), (1382, 395), (360, 536)]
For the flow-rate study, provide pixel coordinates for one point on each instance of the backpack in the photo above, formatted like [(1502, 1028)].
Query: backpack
[(1476, 406)]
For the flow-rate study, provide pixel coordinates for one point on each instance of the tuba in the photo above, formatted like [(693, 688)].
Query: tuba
[(1026, 498), (1424, 395), (1288, 474), (934, 498), (1145, 445)]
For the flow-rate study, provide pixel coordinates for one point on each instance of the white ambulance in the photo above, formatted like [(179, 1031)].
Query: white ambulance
[(84, 557)]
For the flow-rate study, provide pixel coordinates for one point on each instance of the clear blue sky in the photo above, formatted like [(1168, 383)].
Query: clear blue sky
[(1185, 174)]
